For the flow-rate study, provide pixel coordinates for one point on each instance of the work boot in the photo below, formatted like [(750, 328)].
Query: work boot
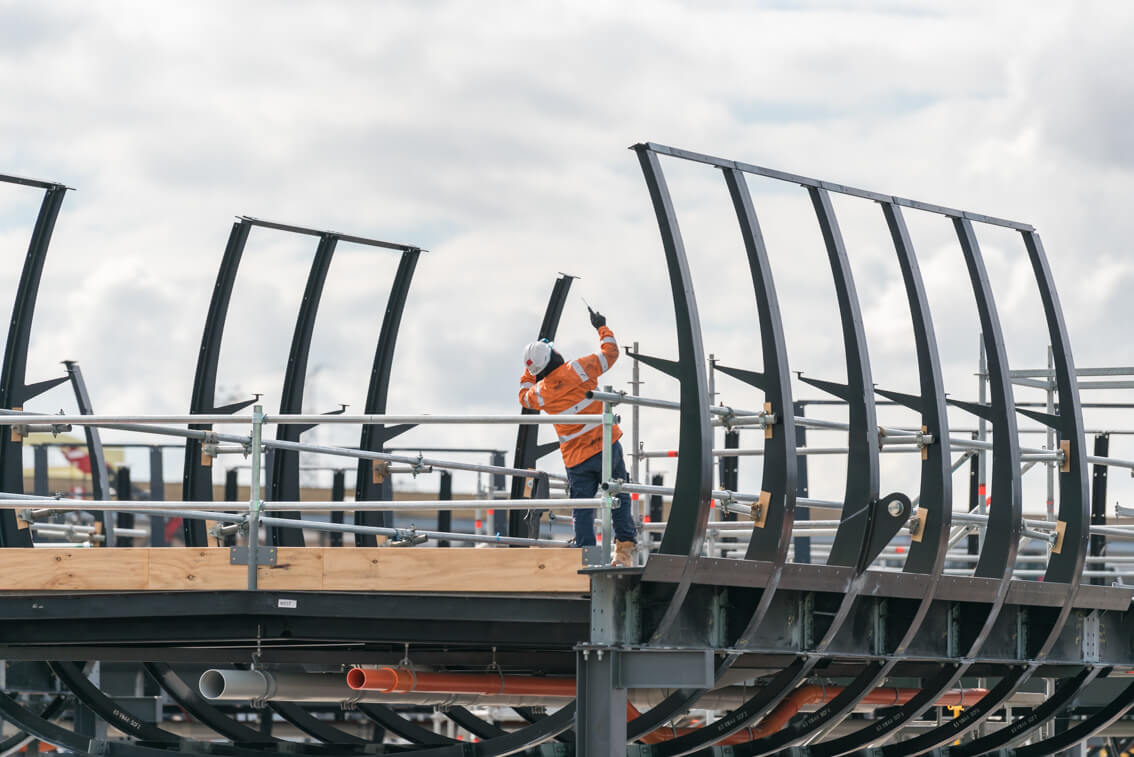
[(623, 554)]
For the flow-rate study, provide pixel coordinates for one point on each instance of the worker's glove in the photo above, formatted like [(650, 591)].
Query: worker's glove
[(598, 320)]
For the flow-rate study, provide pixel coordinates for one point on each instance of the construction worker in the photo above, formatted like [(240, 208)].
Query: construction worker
[(554, 386)]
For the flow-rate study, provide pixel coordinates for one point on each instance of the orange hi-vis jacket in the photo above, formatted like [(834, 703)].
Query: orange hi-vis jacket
[(564, 390)]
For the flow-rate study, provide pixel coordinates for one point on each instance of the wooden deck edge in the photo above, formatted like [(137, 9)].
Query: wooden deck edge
[(346, 569)]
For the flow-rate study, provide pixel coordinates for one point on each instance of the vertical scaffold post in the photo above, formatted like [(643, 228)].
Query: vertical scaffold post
[(254, 499), (635, 442), (607, 472)]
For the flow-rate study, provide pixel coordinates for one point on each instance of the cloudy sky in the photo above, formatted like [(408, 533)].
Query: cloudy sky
[(495, 134)]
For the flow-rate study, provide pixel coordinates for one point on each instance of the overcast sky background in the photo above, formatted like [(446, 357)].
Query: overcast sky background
[(494, 134)]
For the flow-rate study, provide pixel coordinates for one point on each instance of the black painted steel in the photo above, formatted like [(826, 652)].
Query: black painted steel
[(197, 479), (100, 486), (1065, 565), (1105, 716), (283, 465), (41, 728), (1099, 476), (689, 513), (528, 450), (860, 506), (1019, 728), (14, 389), (482, 729), (771, 540), (105, 707), (396, 724), (313, 726), (927, 555), (375, 436)]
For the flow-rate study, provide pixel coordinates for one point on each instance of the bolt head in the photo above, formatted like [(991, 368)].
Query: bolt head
[(895, 507)]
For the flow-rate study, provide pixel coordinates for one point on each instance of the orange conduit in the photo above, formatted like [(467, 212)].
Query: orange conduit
[(805, 695), (403, 680)]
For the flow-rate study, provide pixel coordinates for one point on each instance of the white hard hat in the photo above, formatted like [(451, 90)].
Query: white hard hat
[(537, 355)]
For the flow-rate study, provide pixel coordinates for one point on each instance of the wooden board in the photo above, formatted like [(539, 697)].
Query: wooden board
[(462, 570), (348, 569)]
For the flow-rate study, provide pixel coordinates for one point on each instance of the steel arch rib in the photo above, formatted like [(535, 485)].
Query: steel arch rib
[(928, 555), (770, 542), (1104, 717), (283, 465), (14, 390), (100, 487), (395, 723), (197, 478), (861, 507), (1066, 565), (374, 436), (528, 451), (689, 512), (195, 705), (102, 705), (1019, 728), (997, 557)]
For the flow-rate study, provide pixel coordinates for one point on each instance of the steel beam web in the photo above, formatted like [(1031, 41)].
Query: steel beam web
[(197, 480), (374, 437), (14, 390), (100, 486), (689, 512), (283, 465)]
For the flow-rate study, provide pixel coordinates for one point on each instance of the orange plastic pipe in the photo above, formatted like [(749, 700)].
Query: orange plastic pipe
[(403, 680), (805, 695)]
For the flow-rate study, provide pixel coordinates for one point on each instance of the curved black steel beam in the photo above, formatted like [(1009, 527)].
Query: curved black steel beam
[(997, 557), (100, 486), (482, 729), (1005, 519), (511, 743), (528, 450), (771, 537), (42, 729), (396, 724), (1065, 565), (313, 726), (861, 494), (283, 464), (927, 555), (863, 511), (1068, 558), (106, 708), (197, 479), (14, 389), (689, 513), (17, 741), (374, 437), (534, 715), (1105, 716), (1065, 691)]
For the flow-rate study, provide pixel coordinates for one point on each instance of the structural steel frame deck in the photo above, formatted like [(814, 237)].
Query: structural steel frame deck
[(684, 621)]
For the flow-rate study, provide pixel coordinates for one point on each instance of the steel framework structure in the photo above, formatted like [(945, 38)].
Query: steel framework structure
[(687, 624)]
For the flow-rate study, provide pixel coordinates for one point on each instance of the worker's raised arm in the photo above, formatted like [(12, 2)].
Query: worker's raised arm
[(599, 363)]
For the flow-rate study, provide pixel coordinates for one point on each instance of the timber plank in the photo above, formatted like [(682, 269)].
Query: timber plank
[(194, 569), (296, 569), (454, 570), (354, 569), (74, 570)]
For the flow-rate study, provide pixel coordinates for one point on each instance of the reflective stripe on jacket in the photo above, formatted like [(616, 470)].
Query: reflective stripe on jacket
[(564, 390)]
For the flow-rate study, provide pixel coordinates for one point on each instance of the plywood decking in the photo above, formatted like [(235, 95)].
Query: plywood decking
[(296, 569)]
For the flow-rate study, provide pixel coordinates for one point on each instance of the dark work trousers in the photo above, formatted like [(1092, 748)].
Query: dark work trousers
[(584, 480)]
